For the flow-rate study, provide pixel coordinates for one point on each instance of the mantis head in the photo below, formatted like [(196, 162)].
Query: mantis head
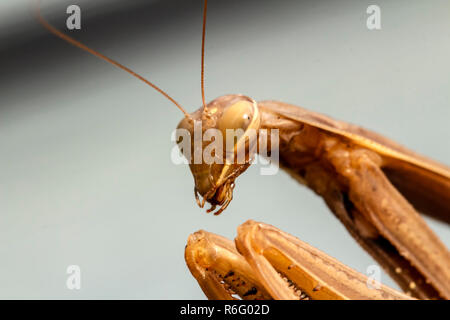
[(226, 156), (221, 142)]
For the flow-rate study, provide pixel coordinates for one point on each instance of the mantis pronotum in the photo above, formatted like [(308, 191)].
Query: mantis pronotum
[(349, 159)]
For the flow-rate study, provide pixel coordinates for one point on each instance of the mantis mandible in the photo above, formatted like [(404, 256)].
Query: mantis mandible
[(368, 181)]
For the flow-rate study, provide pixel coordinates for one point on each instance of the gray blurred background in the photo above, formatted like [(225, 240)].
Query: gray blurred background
[(85, 172)]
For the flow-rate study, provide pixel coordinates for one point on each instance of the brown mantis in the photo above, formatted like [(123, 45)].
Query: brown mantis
[(349, 167), (365, 179)]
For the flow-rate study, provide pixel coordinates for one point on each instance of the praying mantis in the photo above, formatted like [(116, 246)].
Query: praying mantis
[(368, 181)]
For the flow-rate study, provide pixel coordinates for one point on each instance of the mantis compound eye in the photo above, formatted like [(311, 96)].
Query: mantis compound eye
[(238, 124), (236, 116)]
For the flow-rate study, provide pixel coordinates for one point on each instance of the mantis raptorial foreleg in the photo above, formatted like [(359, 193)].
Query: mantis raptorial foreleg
[(269, 263), (397, 266), (392, 217), (220, 270)]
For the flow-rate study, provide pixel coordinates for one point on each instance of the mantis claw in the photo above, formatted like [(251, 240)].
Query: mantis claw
[(212, 208), (197, 198), (228, 199)]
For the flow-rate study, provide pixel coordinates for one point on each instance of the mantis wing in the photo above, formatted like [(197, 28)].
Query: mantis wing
[(424, 182)]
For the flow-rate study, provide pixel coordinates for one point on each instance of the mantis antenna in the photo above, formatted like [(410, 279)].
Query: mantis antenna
[(202, 81), (101, 56)]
